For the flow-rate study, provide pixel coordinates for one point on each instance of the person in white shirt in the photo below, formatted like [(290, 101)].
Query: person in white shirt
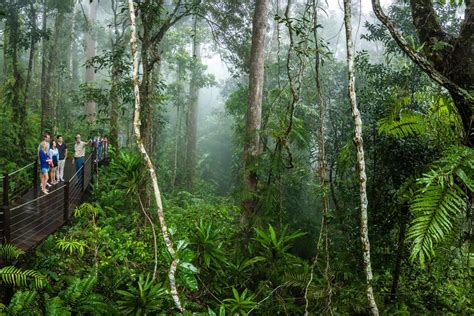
[(79, 154)]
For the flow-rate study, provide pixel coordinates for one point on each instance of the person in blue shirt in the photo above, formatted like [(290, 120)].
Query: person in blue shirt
[(45, 162)]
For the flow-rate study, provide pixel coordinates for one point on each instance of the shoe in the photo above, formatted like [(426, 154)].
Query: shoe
[(48, 185), (45, 191)]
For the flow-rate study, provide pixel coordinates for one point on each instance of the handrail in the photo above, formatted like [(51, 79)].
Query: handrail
[(36, 199), (18, 170)]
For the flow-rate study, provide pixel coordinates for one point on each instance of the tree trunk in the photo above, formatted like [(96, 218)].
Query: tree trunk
[(32, 53), (50, 113), (91, 106), (451, 66), (114, 106), (149, 164), (19, 108), (44, 97), (253, 116), (404, 216), (358, 140), (192, 116)]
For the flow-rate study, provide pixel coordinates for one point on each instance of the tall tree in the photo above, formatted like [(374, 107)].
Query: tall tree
[(119, 25), (192, 115), (149, 163), (91, 105), (17, 101), (447, 58), (155, 25), (253, 117), (358, 140)]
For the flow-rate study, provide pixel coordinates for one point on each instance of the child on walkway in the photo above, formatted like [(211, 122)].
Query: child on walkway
[(54, 155)]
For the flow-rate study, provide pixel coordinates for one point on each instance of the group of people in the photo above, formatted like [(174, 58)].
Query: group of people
[(52, 157), (53, 154)]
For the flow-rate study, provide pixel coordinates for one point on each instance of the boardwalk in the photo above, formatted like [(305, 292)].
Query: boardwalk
[(30, 216)]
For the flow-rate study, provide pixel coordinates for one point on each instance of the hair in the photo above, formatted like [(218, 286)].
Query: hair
[(53, 143), (57, 137), (44, 145), (45, 135)]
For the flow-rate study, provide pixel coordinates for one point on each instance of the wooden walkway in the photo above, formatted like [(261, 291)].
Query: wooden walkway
[(30, 216)]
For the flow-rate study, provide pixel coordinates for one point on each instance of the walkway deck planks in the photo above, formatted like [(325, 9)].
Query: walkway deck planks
[(32, 217)]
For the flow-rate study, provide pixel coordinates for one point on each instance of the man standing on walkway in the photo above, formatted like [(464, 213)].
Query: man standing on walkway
[(62, 149), (79, 154)]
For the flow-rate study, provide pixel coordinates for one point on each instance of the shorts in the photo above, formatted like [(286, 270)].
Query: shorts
[(44, 170)]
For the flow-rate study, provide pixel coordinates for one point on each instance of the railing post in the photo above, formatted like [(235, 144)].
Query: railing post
[(6, 208), (35, 178), (66, 202)]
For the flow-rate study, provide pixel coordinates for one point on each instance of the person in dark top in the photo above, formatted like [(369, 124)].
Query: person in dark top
[(62, 149)]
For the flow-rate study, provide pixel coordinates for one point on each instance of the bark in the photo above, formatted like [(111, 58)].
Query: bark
[(358, 140), (19, 108), (452, 66), (404, 216), (44, 97), (32, 52), (192, 115), (91, 106), (74, 63), (253, 116), (149, 164), (50, 123)]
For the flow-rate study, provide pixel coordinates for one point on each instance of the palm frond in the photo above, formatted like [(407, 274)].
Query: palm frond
[(17, 277), (440, 200), (9, 252), (409, 123)]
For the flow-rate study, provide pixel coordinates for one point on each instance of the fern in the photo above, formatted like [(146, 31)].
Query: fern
[(440, 200), (17, 277), (9, 252), (22, 303), (56, 307), (78, 289), (409, 123)]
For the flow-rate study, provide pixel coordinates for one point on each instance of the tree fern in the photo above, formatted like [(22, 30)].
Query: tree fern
[(17, 277), (441, 200)]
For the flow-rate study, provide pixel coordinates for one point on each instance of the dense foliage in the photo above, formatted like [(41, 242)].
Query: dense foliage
[(301, 250)]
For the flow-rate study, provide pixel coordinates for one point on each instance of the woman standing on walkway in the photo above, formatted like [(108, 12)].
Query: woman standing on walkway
[(54, 155), (44, 161)]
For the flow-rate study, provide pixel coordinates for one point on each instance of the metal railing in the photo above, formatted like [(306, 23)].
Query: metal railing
[(26, 224)]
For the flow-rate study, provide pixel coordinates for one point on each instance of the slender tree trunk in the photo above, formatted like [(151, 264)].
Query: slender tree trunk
[(91, 106), (32, 54), (19, 108), (253, 116), (44, 96), (191, 126), (151, 168), (358, 140), (114, 106), (51, 110), (74, 62), (404, 216)]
